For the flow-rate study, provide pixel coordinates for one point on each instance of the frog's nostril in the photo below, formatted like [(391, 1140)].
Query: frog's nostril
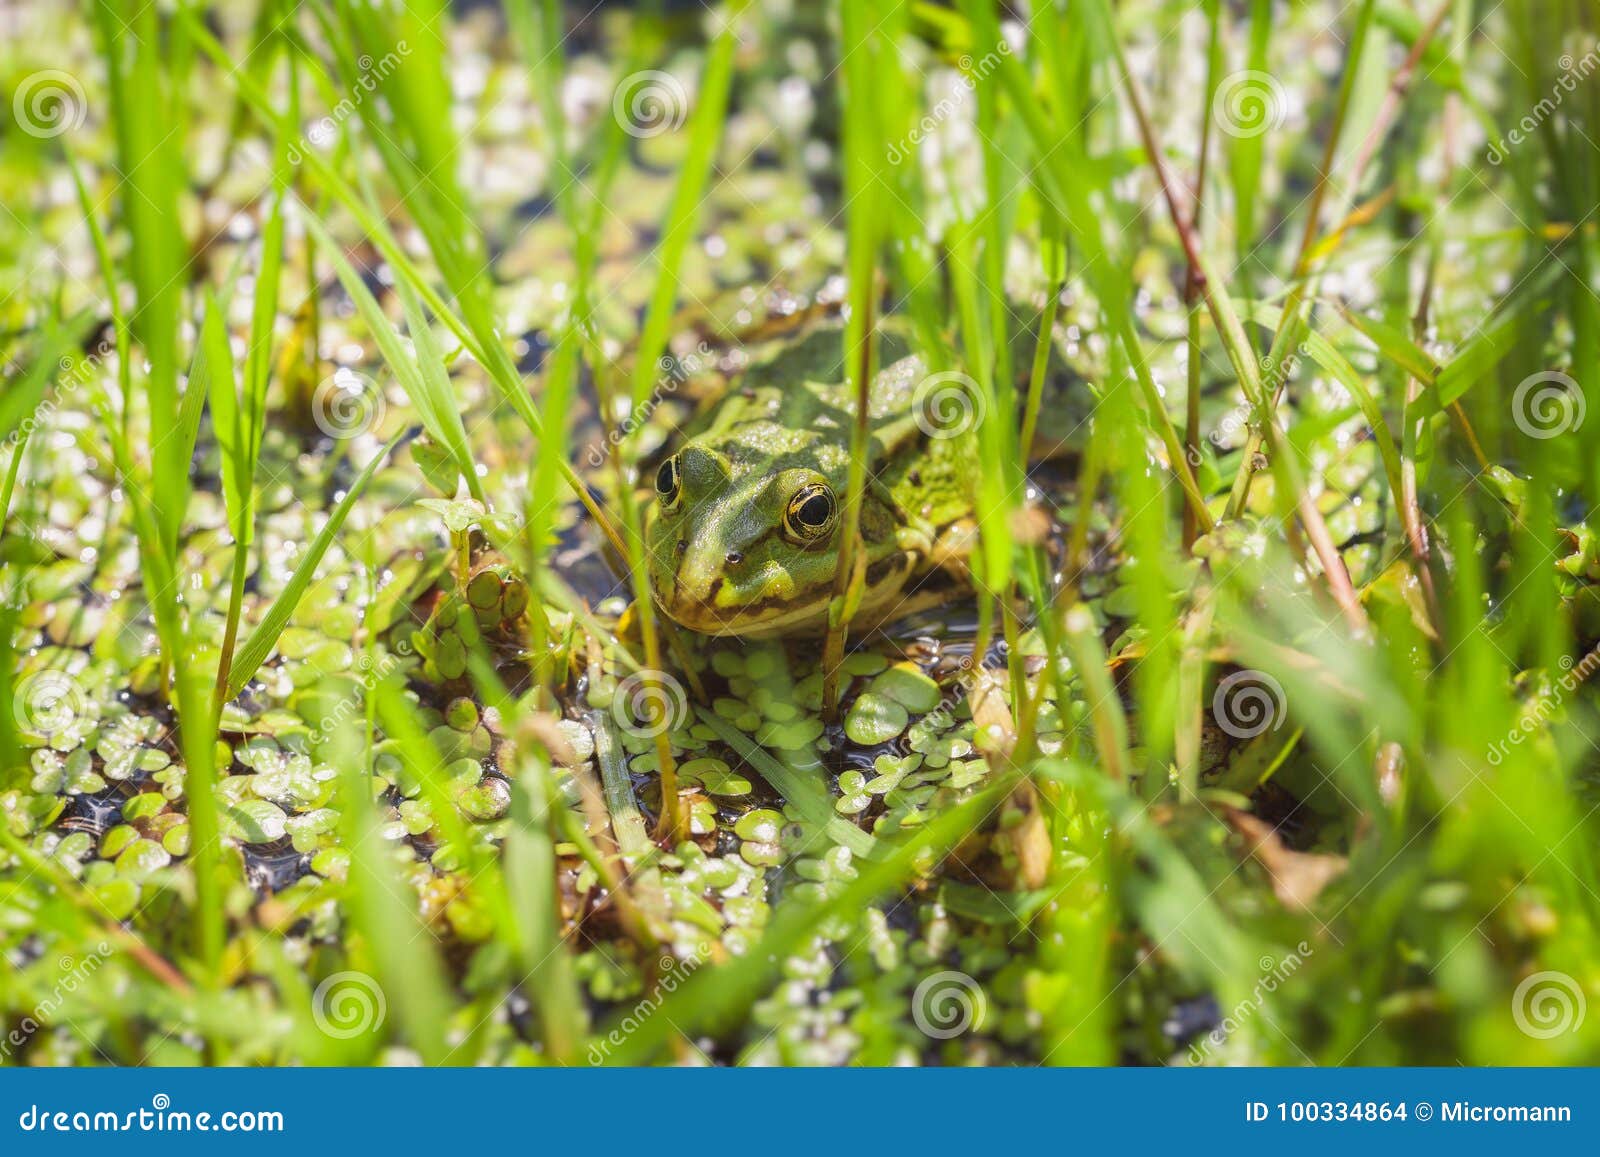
[(683, 545), (733, 557)]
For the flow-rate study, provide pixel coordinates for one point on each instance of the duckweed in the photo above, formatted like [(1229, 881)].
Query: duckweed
[(875, 719)]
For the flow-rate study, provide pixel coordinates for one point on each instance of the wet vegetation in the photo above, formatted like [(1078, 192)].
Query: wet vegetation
[(348, 350)]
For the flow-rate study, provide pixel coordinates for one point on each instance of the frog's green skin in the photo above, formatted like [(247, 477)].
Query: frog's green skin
[(724, 555)]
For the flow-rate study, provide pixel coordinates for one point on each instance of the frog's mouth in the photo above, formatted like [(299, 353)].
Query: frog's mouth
[(804, 615), (774, 617)]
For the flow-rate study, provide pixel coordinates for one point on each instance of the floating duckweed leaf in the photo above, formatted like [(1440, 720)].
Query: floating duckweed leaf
[(74, 846), (763, 661), (117, 839), (874, 719), (702, 816), (123, 749), (292, 783), (416, 815), (117, 898), (737, 712), (451, 657), (908, 686), (715, 776), (142, 857), (864, 663), (854, 799), (255, 821), (968, 773), (74, 774), (298, 642), (762, 824), (761, 855), (796, 736), (452, 744), (461, 714), (331, 863), (778, 707), (947, 747), (176, 840), (145, 805), (808, 691), (489, 799), (304, 830), (483, 589), (717, 873)]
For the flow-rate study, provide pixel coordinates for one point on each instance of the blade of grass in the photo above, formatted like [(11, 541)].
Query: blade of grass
[(421, 374), (860, 46), (477, 334), (803, 788), (264, 638)]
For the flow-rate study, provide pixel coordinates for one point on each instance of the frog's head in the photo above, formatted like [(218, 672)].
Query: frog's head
[(738, 549)]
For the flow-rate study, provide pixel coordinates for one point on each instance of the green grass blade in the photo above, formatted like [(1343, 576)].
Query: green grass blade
[(264, 638), (422, 375)]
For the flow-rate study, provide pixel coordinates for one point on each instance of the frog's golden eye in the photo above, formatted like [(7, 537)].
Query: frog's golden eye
[(810, 515), (669, 486)]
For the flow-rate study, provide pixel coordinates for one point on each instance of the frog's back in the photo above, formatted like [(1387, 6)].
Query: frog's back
[(796, 409)]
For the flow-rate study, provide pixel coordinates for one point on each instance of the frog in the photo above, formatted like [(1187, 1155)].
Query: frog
[(743, 529)]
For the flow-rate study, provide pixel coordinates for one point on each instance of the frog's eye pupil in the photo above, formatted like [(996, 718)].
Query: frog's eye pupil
[(667, 481), (816, 510), (810, 515)]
